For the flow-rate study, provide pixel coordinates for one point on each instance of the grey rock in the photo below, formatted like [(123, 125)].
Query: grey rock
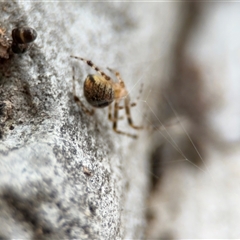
[(64, 174)]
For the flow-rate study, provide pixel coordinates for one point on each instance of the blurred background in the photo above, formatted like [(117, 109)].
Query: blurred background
[(195, 168)]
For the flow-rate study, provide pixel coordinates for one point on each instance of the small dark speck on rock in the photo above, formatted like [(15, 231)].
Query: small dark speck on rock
[(68, 231), (73, 200), (92, 208), (60, 218), (58, 204), (46, 230), (53, 194), (11, 127)]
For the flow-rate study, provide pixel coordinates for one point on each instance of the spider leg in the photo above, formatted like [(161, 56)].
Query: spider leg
[(76, 98), (115, 119), (128, 113), (133, 104), (127, 104), (92, 65), (117, 75), (110, 112), (110, 117)]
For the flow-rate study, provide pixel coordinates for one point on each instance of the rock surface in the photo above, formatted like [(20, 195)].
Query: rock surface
[(64, 174)]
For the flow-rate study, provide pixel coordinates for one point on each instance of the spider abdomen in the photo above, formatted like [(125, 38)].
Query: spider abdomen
[(24, 35), (98, 91)]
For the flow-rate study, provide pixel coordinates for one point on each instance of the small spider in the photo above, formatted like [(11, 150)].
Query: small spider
[(24, 35), (101, 91), (22, 39)]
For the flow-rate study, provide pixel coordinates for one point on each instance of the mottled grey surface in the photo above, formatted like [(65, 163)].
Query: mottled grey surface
[(49, 145)]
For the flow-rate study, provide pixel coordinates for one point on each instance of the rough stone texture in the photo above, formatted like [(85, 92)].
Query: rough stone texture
[(49, 146)]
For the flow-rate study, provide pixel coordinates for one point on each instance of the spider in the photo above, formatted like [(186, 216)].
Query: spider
[(101, 91), (22, 39)]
